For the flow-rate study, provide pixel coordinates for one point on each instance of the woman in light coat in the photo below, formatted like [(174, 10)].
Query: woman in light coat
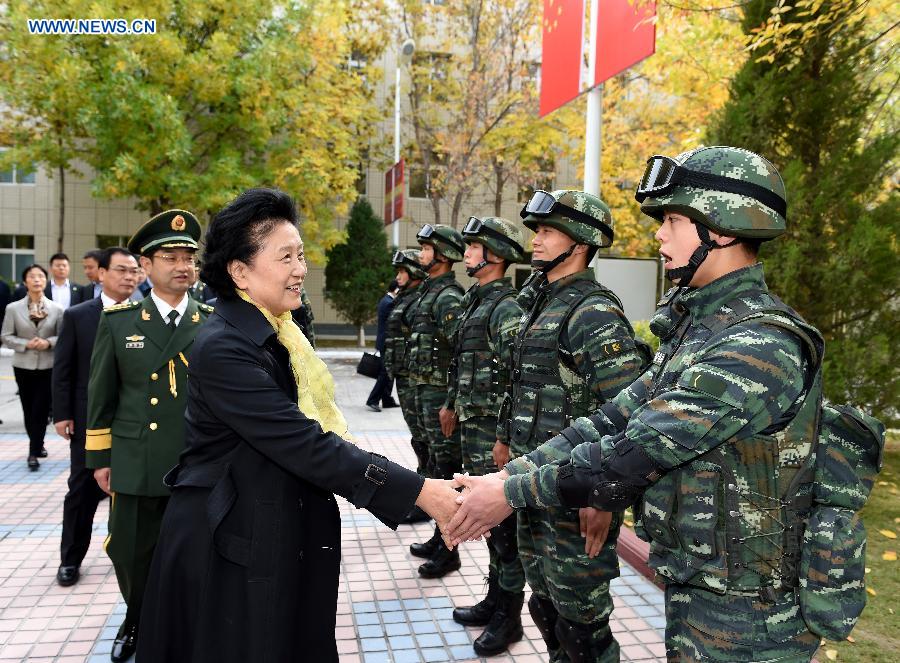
[(30, 328)]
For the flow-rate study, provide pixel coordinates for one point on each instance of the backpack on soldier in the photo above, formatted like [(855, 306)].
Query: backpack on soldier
[(847, 453)]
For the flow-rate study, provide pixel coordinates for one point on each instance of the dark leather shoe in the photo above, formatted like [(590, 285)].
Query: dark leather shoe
[(43, 453), (374, 408), (390, 403), (124, 644), (504, 628), (427, 549), (480, 614), (443, 562), (33, 463), (67, 575), (417, 515)]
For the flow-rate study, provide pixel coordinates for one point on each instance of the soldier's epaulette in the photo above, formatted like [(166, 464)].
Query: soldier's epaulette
[(206, 308), (124, 306)]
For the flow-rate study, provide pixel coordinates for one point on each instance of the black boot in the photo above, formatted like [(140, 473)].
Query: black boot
[(428, 548), (480, 613), (505, 626), (545, 616), (125, 643), (441, 563), (586, 643), (417, 515)]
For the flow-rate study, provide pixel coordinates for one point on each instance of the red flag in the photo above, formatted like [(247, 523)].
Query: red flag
[(393, 193), (561, 58), (626, 34)]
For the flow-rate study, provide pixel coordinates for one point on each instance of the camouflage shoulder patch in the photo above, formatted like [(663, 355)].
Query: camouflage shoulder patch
[(124, 306)]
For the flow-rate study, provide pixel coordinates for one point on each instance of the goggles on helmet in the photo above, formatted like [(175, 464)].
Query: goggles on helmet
[(664, 174), (429, 232), (542, 204), (475, 227)]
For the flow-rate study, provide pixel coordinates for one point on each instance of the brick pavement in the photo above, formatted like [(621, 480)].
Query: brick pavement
[(386, 613)]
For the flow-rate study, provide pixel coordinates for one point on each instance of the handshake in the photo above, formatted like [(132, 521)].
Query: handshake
[(481, 505), (467, 515)]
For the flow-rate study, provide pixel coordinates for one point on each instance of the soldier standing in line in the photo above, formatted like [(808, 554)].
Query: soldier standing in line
[(303, 317), (136, 400), (430, 347), (714, 437), (479, 375), (399, 328), (574, 351)]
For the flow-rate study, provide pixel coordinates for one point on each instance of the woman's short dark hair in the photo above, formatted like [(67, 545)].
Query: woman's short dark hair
[(34, 266), (238, 231)]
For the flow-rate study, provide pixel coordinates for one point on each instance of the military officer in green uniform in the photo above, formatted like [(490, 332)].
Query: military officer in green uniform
[(136, 402), (575, 350), (399, 328), (430, 347), (479, 376), (714, 436)]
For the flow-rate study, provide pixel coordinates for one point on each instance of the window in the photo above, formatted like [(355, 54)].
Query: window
[(17, 175), (438, 3), (432, 71), (16, 252), (106, 241), (418, 181)]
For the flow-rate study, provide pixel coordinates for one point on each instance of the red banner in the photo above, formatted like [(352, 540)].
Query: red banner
[(626, 34), (393, 193), (561, 58)]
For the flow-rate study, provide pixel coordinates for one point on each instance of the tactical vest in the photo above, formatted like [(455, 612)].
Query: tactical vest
[(429, 354), (397, 333), (481, 375), (732, 519), (548, 393)]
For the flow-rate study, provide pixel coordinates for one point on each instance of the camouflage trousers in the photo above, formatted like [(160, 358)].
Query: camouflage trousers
[(478, 435), (418, 439), (558, 570), (704, 626), (444, 453)]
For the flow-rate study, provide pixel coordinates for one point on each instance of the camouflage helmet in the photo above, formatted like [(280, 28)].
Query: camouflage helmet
[(582, 216), (503, 237), (408, 260), (729, 190), (446, 240)]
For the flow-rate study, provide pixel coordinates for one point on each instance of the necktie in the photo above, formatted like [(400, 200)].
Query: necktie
[(172, 315)]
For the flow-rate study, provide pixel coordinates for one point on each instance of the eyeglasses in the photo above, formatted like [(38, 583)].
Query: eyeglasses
[(663, 174), (475, 227), (171, 260), (134, 271), (543, 204)]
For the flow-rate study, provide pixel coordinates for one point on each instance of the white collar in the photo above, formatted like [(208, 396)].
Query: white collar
[(108, 301), (165, 308)]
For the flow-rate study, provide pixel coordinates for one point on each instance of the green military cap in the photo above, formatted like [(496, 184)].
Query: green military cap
[(173, 229)]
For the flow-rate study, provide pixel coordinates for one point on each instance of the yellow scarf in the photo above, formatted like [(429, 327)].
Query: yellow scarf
[(315, 386)]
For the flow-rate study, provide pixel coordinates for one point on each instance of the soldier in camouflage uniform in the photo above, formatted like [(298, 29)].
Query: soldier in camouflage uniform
[(713, 437), (399, 327), (479, 375), (574, 351), (434, 321), (303, 316)]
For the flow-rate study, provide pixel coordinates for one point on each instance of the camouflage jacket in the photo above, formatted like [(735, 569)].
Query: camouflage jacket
[(434, 318), (574, 351), (715, 519), (484, 343), (399, 327)]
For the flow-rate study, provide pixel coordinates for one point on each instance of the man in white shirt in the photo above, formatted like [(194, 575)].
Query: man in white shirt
[(61, 291)]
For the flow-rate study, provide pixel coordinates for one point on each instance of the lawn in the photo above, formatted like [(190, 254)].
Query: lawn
[(876, 638)]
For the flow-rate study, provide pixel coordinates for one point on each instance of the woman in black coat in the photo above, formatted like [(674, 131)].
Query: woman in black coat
[(246, 568)]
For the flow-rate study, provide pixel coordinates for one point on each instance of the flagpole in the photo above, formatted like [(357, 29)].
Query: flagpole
[(594, 114)]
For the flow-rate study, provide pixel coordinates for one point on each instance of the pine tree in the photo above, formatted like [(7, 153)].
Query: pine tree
[(359, 269), (813, 108)]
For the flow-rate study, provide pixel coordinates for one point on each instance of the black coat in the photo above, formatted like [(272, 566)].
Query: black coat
[(384, 310), (246, 568), (72, 363)]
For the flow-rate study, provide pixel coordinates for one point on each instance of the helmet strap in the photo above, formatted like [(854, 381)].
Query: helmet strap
[(685, 274), (547, 266)]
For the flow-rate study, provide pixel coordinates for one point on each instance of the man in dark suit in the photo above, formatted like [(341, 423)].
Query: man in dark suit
[(71, 370), (384, 384), (59, 289), (91, 265)]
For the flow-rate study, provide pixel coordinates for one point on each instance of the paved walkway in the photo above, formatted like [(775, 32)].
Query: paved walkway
[(386, 613)]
